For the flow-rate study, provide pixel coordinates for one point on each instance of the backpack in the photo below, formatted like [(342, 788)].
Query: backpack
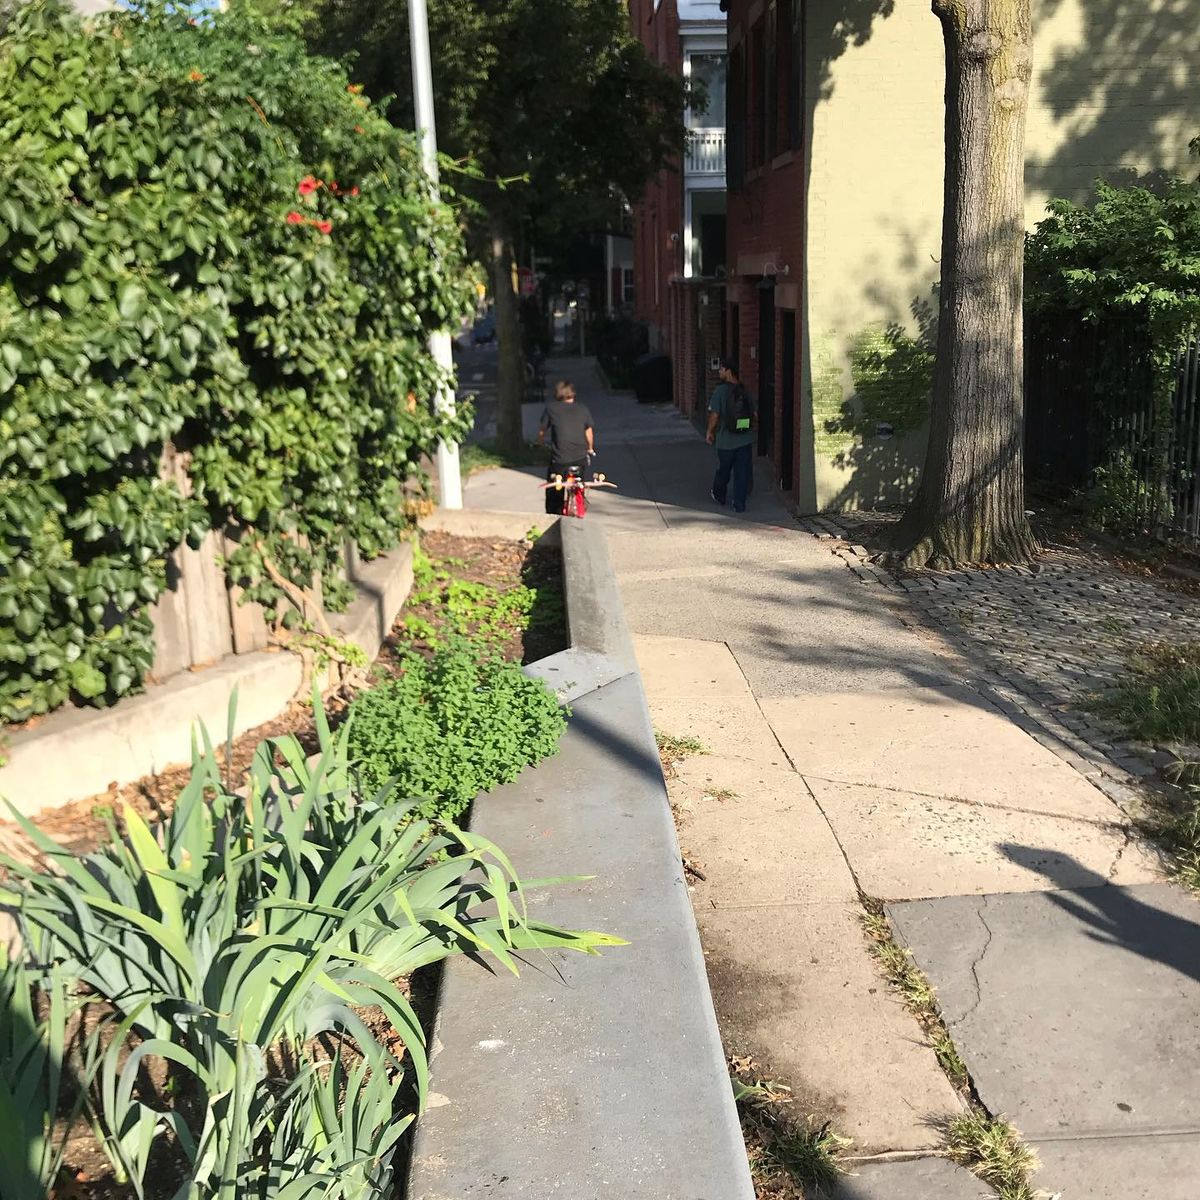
[(739, 410)]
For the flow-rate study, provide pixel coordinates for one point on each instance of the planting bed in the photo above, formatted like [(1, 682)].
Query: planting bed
[(505, 566), (477, 598)]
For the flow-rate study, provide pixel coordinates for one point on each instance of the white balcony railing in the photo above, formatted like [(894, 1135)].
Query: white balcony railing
[(705, 152)]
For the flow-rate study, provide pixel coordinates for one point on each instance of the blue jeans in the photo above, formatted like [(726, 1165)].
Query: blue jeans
[(739, 463)]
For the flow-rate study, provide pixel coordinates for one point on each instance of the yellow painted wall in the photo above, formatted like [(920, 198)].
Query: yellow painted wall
[(1115, 93)]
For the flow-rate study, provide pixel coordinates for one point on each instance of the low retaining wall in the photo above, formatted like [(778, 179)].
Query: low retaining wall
[(586, 1077), (78, 752)]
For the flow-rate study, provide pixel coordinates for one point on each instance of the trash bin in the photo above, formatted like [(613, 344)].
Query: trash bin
[(652, 378)]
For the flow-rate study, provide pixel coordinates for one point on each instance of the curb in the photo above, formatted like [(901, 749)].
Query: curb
[(587, 1076)]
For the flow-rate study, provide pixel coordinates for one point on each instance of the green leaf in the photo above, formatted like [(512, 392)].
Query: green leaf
[(131, 299), (86, 680), (75, 296), (75, 119)]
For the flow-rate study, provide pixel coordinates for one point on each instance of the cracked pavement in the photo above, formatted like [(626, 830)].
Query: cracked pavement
[(850, 750)]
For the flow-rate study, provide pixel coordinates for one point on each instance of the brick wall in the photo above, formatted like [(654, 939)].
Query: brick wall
[(659, 212)]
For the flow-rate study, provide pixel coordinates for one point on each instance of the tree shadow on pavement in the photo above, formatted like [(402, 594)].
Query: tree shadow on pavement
[(1117, 916)]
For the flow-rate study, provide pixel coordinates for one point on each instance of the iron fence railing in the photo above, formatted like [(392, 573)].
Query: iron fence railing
[(1091, 415)]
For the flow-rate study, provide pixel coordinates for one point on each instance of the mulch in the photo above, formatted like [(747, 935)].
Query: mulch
[(83, 825)]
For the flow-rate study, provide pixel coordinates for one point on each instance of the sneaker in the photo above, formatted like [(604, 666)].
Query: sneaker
[(715, 498)]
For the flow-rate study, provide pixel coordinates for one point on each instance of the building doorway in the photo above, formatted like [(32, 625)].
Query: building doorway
[(787, 384), (766, 368)]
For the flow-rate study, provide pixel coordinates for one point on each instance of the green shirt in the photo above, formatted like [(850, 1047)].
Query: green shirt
[(722, 394)]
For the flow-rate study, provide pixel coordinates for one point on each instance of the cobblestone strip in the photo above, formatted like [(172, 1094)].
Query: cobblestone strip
[(1039, 642)]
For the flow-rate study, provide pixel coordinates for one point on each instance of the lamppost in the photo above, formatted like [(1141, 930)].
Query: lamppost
[(449, 473)]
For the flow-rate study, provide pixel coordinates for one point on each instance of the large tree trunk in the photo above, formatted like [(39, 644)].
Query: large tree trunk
[(971, 504), (508, 336)]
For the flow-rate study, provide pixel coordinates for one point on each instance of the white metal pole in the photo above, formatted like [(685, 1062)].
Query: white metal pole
[(449, 472)]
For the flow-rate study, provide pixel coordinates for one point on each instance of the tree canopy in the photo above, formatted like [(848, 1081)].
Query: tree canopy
[(555, 94)]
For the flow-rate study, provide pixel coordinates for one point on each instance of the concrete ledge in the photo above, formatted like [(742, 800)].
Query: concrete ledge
[(587, 1077), (382, 585), (77, 752), (484, 523)]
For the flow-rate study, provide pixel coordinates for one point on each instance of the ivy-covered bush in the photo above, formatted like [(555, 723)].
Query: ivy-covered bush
[(455, 724), (218, 269)]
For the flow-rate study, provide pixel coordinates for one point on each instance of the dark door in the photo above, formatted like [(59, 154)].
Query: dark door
[(787, 384), (766, 370)]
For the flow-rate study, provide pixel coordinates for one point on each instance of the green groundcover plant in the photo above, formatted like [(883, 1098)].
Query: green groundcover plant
[(219, 265), (452, 725), (235, 955)]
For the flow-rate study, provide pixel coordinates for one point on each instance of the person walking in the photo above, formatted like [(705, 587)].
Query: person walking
[(572, 439), (732, 416)]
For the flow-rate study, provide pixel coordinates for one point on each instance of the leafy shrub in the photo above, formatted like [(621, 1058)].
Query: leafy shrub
[(1159, 699), (452, 726), (242, 939), (219, 265), (1120, 500)]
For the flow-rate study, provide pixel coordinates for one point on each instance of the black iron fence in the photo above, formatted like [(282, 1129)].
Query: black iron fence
[(1093, 423)]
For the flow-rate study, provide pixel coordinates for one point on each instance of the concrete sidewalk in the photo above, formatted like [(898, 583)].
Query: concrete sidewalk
[(849, 755)]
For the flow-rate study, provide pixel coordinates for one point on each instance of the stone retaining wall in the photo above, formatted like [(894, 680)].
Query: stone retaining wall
[(78, 752)]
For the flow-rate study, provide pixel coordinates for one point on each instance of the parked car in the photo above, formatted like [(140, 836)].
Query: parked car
[(485, 329)]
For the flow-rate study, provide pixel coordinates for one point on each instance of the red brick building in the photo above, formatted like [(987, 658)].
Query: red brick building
[(765, 180), (679, 224)]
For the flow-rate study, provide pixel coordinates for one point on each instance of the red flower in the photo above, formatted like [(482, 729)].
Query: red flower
[(324, 226), (354, 88), (308, 185), (354, 191), (333, 186), (294, 218), (195, 76), (359, 129)]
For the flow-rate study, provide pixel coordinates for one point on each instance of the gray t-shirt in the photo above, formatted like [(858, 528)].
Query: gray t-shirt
[(567, 425)]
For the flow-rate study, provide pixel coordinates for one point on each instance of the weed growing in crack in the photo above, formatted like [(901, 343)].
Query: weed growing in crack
[(786, 1156), (673, 750), (988, 1145), (993, 1150), (914, 989)]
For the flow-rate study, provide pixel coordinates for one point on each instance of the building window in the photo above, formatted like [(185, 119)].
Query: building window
[(736, 119), (709, 70), (794, 15), (770, 99), (754, 97), (627, 291)]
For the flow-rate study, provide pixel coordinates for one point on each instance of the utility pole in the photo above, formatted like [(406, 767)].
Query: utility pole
[(449, 472)]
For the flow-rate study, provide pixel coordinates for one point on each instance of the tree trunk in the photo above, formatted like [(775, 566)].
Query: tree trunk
[(970, 507), (508, 336)]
